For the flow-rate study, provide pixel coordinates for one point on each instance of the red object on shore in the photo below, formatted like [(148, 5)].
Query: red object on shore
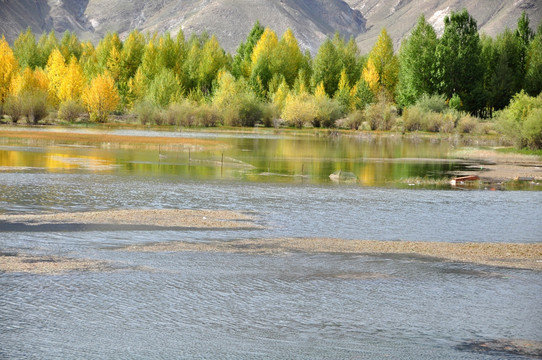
[(464, 179)]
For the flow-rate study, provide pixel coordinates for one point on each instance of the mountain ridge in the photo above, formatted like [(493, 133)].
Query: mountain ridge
[(312, 21)]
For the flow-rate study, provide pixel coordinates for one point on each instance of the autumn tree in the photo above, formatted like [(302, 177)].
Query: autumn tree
[(213, 59), (416, 58), (56, 70), (262, 59), (457, 60), (73, 83), (101, 97), (46, 44), (242, 62), (287, 58), (104, 48), (8, 69), (382, 69)]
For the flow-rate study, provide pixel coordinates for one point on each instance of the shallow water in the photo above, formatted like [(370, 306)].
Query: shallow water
[(243, 306)]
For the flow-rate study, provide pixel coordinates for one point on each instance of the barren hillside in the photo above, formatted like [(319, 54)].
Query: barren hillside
[(311, 20)]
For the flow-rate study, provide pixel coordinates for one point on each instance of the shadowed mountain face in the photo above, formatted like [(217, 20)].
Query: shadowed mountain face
[(231, 20)]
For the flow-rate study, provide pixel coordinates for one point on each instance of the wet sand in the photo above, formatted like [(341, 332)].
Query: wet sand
[(47, 265), (523, 256), (125, 219), (499, 167)]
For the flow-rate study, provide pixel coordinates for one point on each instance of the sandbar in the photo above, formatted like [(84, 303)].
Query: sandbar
[(510, 255), (136, 219)]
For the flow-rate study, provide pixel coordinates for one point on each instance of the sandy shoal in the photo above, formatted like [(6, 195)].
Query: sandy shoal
[(524, 256), (47, 265), (171, 218)]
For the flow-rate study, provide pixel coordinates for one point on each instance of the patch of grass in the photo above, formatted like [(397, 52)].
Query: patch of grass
[(520, 151)]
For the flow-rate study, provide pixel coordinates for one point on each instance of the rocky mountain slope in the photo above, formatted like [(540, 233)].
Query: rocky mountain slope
[(231, 20)]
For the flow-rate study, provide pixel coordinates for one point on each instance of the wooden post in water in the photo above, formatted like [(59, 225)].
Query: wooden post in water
[(302, 172), (222, 165)]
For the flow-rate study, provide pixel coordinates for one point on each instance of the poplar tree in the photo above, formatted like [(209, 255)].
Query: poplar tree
[(458, 68), (241, 65), (416, 58), (327, 68), (26, 50), (101, 97), (8, 69), (262, 58), (382, 68)]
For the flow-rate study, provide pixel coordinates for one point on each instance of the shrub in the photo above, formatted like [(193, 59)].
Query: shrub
[(299, 110), (521, 120), (413, 119), (70, 110), (355, 119), (467, 124), (146, 112), (269, 114), (207, 116), (432, 121), (250, 110), (327, 111), (381, 115), (435, 103), (13, 108)]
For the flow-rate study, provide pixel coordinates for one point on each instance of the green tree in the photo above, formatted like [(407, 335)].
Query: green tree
[(416, 58), (525, 34), (46, 44), (26, 50), (533, 75), (327, 67), (164, 88), (457, 60), (508, 76), (521, 120), (348, 57), (242, 62), (70, 46), (287, 58), (103, 50), (213, 59)]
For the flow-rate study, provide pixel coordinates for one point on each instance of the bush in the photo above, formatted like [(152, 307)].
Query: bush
[(270, 113), (381, 115), (32, 104), (467, 124), (328, 111), (521, 121), (299, 111), (70, 110), (13, 108), (250, 110), (207, 116), (435, 103), (355, 119), (413, 119), (146, 112)]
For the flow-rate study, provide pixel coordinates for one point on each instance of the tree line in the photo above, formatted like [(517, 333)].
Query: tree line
[(436, 83)]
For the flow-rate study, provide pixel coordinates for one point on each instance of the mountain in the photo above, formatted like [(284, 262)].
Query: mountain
[(400, 16), (231, 20)]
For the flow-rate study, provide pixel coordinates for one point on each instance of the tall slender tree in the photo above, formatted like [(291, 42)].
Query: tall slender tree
[(416, 58)]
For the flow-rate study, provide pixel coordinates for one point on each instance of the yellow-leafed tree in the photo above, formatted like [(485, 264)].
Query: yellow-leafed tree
[(73, 83), (8, 68), (101, 97), (29, 81), (56, 71), (382, 70)]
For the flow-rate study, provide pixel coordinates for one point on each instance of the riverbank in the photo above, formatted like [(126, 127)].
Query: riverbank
[(521, 256), (493, 166)]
